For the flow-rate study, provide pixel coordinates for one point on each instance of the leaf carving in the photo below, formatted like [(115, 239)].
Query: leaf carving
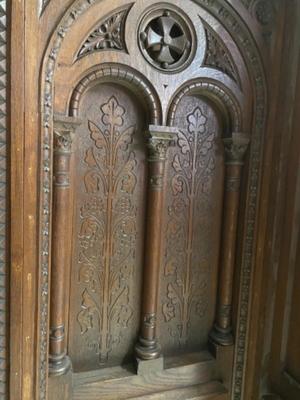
[(177, 185), (183, 143), (168, 311), (90, 159), (196, 121), (172, 295), (87, 313), (126, 138), (207, 144), (176, 164), (97, 135), (112, 113)]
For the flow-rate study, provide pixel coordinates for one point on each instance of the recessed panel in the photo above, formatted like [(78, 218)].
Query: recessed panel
[(109, 180), (192, 228)]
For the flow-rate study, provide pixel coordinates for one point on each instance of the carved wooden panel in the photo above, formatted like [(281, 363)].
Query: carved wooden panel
[(193, 215), (109, 176)]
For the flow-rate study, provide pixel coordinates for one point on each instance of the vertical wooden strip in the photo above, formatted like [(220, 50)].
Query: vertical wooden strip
[(3, 206), (17, 195)]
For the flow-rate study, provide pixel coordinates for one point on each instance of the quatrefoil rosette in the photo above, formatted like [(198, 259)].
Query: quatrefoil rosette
[(167, 39)]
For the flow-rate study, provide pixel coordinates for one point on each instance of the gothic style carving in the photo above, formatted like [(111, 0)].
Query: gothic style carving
[(217, 55), (3, 210), (108, 230), (192, 169), (109, 34), (167, 39), (245, 41)]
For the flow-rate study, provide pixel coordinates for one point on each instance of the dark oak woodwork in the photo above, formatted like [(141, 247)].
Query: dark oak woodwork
[(137, 233)]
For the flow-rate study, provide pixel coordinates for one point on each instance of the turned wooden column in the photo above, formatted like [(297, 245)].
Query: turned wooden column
[(59, 362), (159, 139), (235, 149)]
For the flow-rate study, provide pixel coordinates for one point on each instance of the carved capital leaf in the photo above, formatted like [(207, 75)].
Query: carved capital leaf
[(160, 138), (235, 148)]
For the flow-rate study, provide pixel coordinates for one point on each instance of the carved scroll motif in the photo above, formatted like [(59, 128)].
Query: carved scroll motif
[(109, 35), (108, 230), (192, 175)]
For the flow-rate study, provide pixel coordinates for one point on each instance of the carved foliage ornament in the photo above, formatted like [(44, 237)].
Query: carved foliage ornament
[(109, 34), (218, 57), (108, 230), (192, 168), (166, 39)]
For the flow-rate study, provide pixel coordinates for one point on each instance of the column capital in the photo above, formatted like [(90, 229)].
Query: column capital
[(64, 128), (160, 138), (235, 148)]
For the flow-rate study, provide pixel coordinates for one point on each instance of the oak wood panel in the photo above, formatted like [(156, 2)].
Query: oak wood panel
[(179, 372), (211, 390), (194, 194)]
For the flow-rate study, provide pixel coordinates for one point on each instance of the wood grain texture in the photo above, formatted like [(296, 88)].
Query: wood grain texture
[(179, 372)]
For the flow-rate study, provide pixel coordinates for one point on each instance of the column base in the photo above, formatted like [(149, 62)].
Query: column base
[(59, 365), (144, 367), (147, 349), (220, 336)]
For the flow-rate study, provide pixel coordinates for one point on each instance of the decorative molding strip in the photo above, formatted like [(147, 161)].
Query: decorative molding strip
[(109, 34), (125, 74), (212, 88), (218, 56), (3, 207), (231, 21)]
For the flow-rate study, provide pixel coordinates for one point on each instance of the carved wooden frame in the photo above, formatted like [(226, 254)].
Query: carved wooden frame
[(247, 45)]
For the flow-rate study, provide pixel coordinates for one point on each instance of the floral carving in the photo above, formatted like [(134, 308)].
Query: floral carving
[(218, 57), (109, 34), (193, 166), (108, 230)]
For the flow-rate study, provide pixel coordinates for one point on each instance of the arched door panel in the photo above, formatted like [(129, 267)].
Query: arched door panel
[(109, 178), (193, 212)]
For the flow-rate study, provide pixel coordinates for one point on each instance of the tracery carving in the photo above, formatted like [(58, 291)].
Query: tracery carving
[(166, 39), (217, 55), (192, 174), (108, 230), (108, 35)]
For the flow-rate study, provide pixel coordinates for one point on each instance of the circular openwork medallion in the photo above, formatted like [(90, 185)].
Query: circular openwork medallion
[(166, 39)]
